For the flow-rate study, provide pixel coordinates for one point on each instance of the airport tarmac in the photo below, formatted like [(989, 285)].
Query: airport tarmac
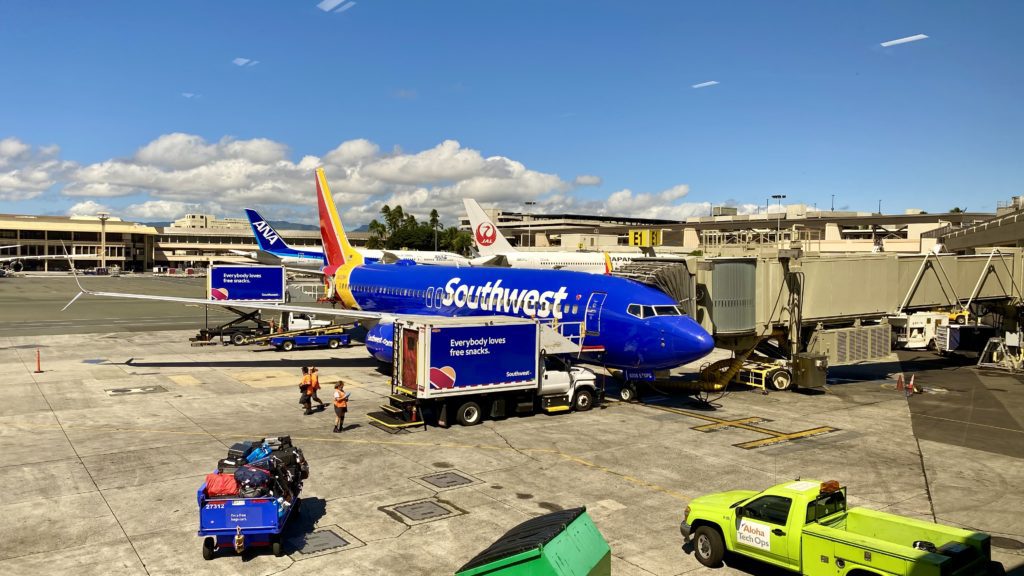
[(104, 450)]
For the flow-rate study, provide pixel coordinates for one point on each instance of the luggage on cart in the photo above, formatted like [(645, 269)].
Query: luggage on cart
[(221, 485), (240, 450), (229, 465)]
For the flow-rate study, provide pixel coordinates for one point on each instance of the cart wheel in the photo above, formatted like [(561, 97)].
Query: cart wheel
[(238, 339), (208, 551), (287, 345), (333, 343), (275, 545)]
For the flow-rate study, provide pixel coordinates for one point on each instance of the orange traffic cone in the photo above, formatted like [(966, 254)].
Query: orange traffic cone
[(910, 385), (899, 382)]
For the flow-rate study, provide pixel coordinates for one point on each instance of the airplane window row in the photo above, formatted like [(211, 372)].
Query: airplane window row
[(433, 296), (651, 311)]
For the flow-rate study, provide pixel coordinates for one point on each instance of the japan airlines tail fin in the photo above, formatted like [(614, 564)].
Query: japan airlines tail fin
[(486, 235), (337, 251)]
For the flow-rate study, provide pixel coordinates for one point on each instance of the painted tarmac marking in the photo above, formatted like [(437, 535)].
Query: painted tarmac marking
[(774, 436)]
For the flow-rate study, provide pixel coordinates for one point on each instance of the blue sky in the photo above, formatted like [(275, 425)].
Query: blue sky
[(808, 104)]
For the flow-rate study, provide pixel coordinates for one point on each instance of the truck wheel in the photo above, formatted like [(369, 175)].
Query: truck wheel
[(469, 414), (288, 346), (238, 338), (627, 393), (333, 343), (583, 401), (208, 548), (781, 380), (708, 547), (961, 319)]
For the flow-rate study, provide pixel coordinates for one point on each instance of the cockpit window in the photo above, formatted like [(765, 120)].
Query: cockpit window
[(641, 311)]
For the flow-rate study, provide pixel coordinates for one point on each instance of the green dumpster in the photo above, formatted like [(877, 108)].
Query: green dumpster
[(563, 543)]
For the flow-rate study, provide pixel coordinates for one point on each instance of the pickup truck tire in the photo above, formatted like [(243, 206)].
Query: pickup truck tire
[(333, 343), (469, 414), (208, 548), (583, 401), (238, 338), (708, 547), (780, 380), (287, 345)]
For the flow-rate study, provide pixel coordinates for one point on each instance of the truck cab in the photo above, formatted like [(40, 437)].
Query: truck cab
[(575, 384), (805, 526), (304, 321)]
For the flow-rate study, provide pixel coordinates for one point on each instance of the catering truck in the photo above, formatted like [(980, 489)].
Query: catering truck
[(466, 369), (804, 526)]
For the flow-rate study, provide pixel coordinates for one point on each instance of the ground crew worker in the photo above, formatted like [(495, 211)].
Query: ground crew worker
[(304, 399), (340, 406), (314, 385)]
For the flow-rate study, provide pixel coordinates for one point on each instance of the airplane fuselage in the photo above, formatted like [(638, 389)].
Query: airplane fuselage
[(593, 308)]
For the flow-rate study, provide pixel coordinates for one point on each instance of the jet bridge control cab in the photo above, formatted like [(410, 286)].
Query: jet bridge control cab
[(466, 369)]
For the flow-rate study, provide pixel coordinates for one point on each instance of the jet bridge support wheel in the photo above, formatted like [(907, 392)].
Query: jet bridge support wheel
[(628, 392)]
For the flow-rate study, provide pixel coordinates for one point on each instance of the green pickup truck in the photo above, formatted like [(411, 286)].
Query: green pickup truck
[(804, 526)]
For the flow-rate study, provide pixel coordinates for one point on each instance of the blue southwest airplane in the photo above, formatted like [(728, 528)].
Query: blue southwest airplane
[(618, 323)]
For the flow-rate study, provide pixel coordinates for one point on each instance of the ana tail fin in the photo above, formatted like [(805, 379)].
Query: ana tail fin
[(266, 237), (337, 251), (488, 238)]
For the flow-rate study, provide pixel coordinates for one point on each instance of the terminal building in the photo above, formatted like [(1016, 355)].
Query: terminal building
[(197, 240), (726, 232)]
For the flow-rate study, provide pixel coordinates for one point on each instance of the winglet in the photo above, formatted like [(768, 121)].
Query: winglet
[(489, 240), (607, 263), (77, 296)]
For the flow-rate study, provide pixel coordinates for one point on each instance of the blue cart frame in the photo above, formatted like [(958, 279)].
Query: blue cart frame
[(240, 523)]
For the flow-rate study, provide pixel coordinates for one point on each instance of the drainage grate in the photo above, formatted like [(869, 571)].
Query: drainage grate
[(142, 390), (447, 480), (1007, 543), (421, 511), (317, 542)]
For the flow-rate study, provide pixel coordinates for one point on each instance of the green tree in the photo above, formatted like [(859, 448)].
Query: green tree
[(956, 210)]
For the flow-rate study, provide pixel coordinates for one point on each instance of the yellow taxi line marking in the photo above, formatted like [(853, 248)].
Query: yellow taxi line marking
[(774, 437), (785, 437)]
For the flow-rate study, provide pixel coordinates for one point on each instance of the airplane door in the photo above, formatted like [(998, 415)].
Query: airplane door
[(592, 320)]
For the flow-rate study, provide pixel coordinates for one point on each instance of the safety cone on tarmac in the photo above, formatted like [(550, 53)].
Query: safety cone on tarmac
[(899, 382), (910, 385)]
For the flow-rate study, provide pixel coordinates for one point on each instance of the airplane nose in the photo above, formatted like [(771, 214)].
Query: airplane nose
[(692, 341)]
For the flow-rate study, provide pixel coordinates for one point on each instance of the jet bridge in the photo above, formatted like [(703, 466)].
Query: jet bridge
[(829, 304)]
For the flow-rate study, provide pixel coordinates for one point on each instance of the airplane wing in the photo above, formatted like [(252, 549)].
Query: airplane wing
[(496, 260), (344, 314)]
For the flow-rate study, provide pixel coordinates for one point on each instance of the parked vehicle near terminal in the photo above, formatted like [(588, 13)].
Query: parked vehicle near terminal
[(466, 369), (332, 339), (804, 526), (917, 331)]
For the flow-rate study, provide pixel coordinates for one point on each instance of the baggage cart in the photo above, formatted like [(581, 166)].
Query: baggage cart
[(235, 523)]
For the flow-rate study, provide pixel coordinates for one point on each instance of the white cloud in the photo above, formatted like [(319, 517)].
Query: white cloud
[(705, 84), (244, 62), (189, 95), (905, 40), (87, 208), (587, 180), (405, 94), (158, 210), (26, 173)]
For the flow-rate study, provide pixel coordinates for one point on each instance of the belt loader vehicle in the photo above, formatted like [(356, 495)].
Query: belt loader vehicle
[(467, 368), (805, 526)]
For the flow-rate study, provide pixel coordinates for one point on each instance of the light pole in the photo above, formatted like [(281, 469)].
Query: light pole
[(103, 216), (778, 226), (879, 206), (529, 235), (833, 202)]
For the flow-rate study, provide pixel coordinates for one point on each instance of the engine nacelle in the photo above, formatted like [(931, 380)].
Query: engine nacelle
[(380, 341)]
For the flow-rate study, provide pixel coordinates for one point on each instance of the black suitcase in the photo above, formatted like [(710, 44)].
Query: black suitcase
[(240, 449), (279, 442), (229, 465)]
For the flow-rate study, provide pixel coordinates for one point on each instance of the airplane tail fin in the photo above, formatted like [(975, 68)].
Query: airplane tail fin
[(488, 238), (266, 237), (337, 250)]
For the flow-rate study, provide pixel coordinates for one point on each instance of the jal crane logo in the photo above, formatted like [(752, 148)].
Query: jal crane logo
[(267, 232), (486, 234)]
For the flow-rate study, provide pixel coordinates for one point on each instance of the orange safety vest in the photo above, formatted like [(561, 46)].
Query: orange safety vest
[(341, 399), (314, 382), (304, 386)]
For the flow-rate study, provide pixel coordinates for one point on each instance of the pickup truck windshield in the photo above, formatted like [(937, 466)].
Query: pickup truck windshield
[(826, 505)]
